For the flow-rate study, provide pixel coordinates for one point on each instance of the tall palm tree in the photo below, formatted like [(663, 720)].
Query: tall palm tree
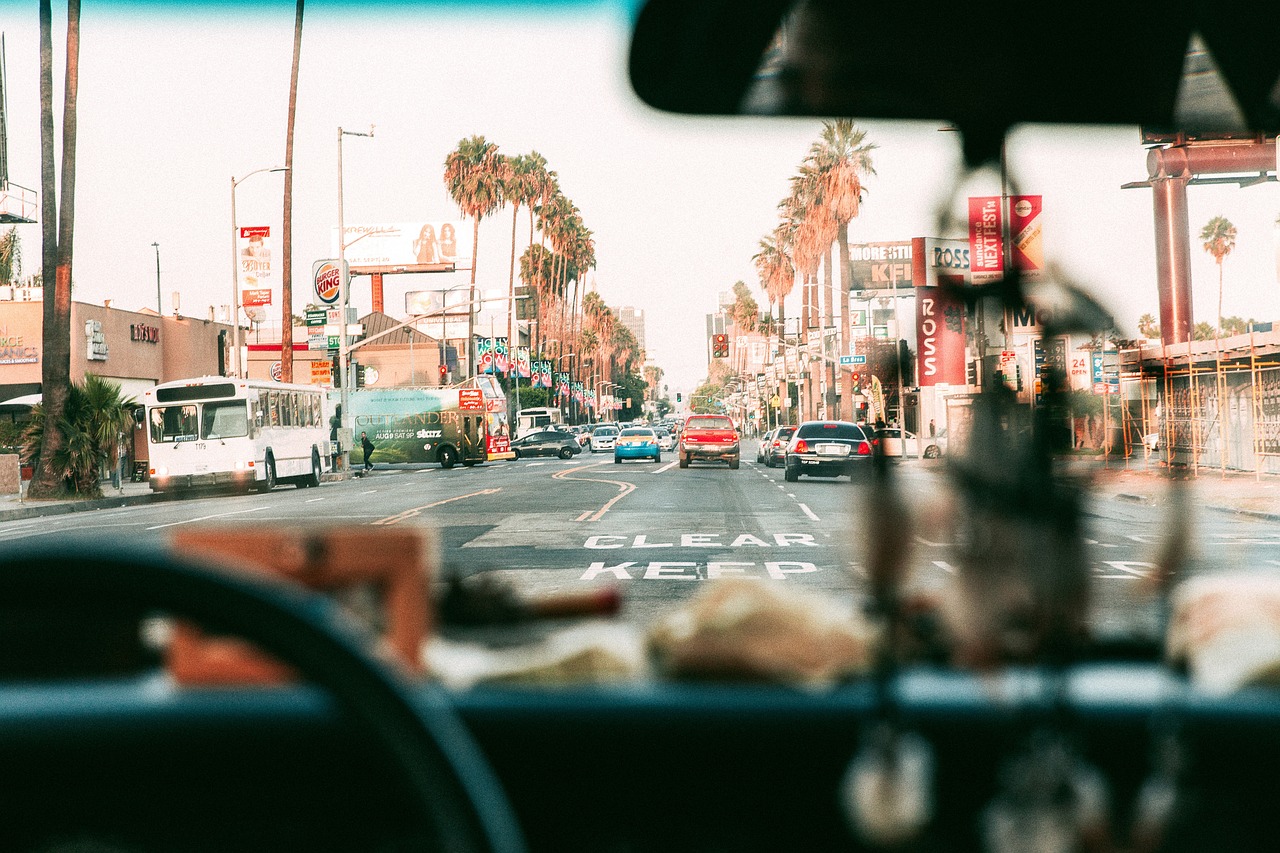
[(1219, 237), (57, 232), (10, 256), (286, 240), (473, 175), (777, 277), (842, 156), (519, 187)]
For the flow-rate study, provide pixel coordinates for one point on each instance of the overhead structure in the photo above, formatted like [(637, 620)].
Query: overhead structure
[(17, 204)]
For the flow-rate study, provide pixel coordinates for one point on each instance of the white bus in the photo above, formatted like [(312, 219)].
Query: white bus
[(532, 420), (223, 431)]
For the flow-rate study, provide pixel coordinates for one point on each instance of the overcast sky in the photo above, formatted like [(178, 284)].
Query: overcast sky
[(173, 103)]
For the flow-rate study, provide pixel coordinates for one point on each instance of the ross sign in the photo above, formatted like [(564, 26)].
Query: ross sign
[(327, 281), (256, 297), (145, 333), (986, 241), (406, 243), (321, 372), (940, 334), (471, 399)]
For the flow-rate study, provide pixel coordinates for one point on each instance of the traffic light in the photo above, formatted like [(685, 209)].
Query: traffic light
[(444, 373), (357, 372), (678, 397), (719, 346), (856, 379)]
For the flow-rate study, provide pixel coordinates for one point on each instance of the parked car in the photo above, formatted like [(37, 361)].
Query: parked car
[(777, 450), (709, 437), (826, 449), (547, 442), (762, 448), (603, 437), (891, 443), (637, 443)]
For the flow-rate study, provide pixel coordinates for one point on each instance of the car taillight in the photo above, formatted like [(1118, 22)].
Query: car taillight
[(802, 446), (777, 443), (864, 448)]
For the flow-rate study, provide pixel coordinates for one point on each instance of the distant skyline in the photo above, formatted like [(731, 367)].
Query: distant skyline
[(174, 103)]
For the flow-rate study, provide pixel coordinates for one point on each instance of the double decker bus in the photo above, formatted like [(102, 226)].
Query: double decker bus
[(223, 431)]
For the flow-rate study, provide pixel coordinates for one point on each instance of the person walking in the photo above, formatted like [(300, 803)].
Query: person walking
[(367, 446)]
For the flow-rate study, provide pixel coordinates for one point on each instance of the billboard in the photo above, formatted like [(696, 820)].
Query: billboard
[(880, 266), (986, 240), (940, 334), (407, 244)]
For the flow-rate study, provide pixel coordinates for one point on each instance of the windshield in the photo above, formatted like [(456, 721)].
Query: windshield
[(460, 226)]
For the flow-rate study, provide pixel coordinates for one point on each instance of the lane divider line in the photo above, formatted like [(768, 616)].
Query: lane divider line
[(809, 512), (624, 489), (207, 517), (666, 467), (417, 510)]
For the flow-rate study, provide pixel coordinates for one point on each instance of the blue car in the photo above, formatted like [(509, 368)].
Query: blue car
[(637, 443)]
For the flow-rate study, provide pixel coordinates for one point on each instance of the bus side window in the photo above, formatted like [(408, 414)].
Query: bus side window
[(317, 419), (273, 410), (260, 410), (294, 408)]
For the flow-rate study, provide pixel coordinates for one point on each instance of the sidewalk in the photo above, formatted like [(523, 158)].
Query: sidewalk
[(1210, 488)]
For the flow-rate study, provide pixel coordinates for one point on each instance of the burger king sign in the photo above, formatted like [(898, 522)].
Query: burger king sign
[(328, 281)]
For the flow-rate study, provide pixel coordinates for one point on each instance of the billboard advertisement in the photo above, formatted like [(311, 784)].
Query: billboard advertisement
[(435, 242), (986, 242), (880, 266), (327, 281)]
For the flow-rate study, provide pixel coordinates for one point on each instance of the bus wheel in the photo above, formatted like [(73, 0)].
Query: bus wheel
[(268, 482), (313, 479), (448, 457)]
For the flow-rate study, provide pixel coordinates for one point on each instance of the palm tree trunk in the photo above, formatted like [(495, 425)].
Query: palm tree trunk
[(56, 255), (846, 376), (286, 240), (471, 302), (512, 343), (828, 297)]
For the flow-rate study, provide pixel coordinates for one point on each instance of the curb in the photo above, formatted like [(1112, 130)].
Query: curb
[(37, 509), (1258, 514)]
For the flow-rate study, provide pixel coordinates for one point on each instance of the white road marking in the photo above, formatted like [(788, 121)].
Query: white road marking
[(207, 517), (809, 512), (666, 467), (370, 492), (313, 500)]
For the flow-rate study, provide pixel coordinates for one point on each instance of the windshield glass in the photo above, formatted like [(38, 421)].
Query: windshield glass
[(173, 423), (224, 420)]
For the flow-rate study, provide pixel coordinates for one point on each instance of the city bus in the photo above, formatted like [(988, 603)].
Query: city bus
[(222, 431), (532, 420), (466, 423)]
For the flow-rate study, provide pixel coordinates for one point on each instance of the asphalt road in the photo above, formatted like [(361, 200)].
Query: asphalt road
[(658, 532)]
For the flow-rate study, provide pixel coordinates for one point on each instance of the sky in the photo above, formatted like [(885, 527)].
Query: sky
[(174, 101)]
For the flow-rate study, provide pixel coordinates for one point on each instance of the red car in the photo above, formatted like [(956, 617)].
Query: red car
[(710, 437)]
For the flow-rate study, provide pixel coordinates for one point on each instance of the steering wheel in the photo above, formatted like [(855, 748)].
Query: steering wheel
[(454, 792)]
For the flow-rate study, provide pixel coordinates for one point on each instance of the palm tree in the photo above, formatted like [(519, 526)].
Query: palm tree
[(286, 240), (57, 232), (1148, 327), (10, 256), (93, 421), (473, 174), (842, 157), (1219, 237), (519, 187), (777, 278)]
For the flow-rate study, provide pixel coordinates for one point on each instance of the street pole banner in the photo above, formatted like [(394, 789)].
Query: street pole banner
[(590, 398), (255, 258), (523, 369), (562, 385), (491, 355), (541, 374), (1025, 230), (986, 250), (577, 391)]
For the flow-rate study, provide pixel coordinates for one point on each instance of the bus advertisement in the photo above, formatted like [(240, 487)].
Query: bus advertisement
[(445, 425), (222, 431)]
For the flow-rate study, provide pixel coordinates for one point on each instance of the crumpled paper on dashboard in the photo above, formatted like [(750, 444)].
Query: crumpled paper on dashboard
[(1226, 629), (751, 630)]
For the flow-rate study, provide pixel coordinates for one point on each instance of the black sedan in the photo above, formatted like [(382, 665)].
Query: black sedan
[(547, 442), (826, 449)]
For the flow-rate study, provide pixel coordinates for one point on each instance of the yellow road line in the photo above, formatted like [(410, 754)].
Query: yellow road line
[(417, 510), (624, 489)]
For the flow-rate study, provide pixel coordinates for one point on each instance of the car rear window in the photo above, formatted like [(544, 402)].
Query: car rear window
[(785, 432), (831, 430), (710, 423), (648, 432), (606, 431)]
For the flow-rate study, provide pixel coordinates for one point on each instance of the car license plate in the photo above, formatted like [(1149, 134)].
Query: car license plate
[(833, 450)]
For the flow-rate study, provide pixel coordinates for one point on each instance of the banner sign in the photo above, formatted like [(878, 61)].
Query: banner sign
[(940, 333), (255, 258), (492, 355), (523, 369), (590, 399), (577, 389), (562, 385), (1024, 231), (321, 372), (986, 252), (541, 374), (255, 298)]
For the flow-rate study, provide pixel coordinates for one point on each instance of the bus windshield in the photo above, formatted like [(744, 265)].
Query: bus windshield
[(228, 419), (173, 423)]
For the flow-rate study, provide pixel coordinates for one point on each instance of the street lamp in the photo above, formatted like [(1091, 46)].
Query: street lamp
[(236, 366), (159, 309), (344, 283)]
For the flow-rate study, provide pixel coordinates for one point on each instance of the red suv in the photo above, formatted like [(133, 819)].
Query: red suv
[(712, 437)]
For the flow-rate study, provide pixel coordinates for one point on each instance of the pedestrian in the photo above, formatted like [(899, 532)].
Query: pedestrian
[(933, 429), (367, 446)]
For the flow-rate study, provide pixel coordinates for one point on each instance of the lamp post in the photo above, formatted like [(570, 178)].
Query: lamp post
[(159, 308), (237, 369), (344, 351)]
